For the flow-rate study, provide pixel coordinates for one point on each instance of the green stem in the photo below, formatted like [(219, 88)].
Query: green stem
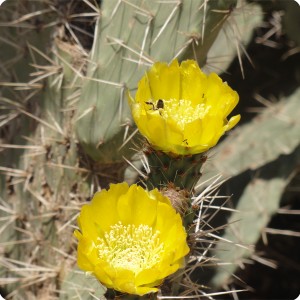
[(181, 171), (114, 295)]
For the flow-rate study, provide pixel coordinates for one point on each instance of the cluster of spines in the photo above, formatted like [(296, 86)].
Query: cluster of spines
[(39, 204)]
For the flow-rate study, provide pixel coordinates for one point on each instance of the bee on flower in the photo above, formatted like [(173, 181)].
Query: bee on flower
[(182, 111)]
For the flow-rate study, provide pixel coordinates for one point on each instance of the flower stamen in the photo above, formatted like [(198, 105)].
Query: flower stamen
[(131, 247), (183, 111)]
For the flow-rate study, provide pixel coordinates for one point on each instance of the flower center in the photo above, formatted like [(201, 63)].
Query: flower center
[(181, 111), (131, 247)]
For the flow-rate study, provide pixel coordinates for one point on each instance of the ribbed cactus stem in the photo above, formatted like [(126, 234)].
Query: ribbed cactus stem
[(182, 171), (176, 177), (112, 294)]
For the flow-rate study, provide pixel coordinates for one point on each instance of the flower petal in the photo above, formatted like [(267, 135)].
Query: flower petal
[(105, 273), (151, 277), (164, 80), (195, 108), (193, 82), (130, 238), (103, 202), (136, 208), (232, 122), (87, 253)]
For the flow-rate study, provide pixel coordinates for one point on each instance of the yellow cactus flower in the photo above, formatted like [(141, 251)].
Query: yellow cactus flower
[(130, 238), (181, 110)]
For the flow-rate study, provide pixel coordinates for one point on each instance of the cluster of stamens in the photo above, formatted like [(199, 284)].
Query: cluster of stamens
[(131, 247)]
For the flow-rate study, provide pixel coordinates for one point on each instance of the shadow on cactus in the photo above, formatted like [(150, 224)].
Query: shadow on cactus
[(59, 77)]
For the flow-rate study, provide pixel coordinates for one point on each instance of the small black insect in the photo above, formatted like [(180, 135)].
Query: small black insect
[(185, 141), (159, 104)]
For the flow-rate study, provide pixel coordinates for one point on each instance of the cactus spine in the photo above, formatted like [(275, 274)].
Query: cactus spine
[(46, 175)]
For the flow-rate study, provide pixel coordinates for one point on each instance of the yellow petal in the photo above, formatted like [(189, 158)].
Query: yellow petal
[(164, 80), (203, 134), (149, 276), (232, 122), (105, 273), (104, 202), (143, 290), (143, 93), (189, 98), (164, 134), (87, 253), (193, 82), (136, 208), (125, 281), (87, 228), (155, 194), (130, 238), (155, 129), (169, 266), (220, 97), (170, 226)]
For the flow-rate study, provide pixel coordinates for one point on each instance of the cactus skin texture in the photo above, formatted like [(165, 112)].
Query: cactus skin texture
[(259, 201), (130, 36), (37, 215), (41, 185), (253, 152), (235, 34), (261, 168), (77, 285), (14, 74), (48, 199), (182, 171), (38, 210)]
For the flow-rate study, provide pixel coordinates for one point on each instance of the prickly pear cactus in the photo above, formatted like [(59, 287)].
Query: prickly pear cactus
[(77, 109), (53, 177), (261, 170), (45, 204)]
